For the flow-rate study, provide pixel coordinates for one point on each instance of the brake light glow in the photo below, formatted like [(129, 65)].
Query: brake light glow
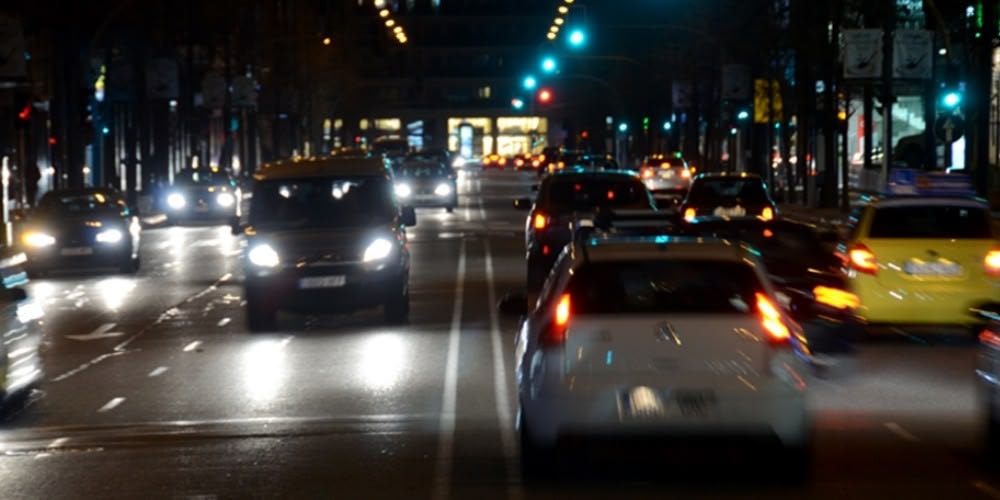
[(562, 310), (611, 194), (502, 161), (992, 262), (689, 214), (555, 334), (540, 221), (767, 213), (862, 259), (836, 298), (686, 174), (665, 164), (777, 331), (646, 174)]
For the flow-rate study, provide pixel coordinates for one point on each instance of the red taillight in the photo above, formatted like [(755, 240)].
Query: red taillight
[(539, 221), (862, 259), (777, 331), (502, 161), (555, 334), (611, 194), (767, 213), (992, 262), (689, 214)]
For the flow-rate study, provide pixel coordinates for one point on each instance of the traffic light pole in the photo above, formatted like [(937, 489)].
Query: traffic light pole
[(887, 92)]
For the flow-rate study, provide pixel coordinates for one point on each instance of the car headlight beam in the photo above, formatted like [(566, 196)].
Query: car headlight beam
[(403, 190), (263, 256), (38, 239), (176, 201), (109, 236), (377, 250), (442, 189), (225, 199)]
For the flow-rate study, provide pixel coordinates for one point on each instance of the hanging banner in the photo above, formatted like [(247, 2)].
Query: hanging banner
[(767, 104), (683, 94), (913, 54), (736, 81), (862, 54)]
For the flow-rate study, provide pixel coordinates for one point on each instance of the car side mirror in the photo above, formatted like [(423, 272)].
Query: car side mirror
[(408, 216), (513, 304), (522, 203)]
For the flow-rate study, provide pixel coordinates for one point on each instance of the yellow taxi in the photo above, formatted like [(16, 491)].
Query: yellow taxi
[(924, 254)]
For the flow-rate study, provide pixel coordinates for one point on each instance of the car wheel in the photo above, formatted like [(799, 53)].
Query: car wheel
[(261, 315), (538, 462), (397, 304)]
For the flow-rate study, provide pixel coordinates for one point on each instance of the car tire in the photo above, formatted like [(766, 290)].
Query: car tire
[(538, 462), (396, 307), (261, 316)]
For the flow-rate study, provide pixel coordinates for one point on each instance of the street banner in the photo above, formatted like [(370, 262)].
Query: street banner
[(736, 81), (913, 54), (767, 103), (862, 54)]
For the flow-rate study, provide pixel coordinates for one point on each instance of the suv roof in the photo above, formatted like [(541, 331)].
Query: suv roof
[(319, 167)]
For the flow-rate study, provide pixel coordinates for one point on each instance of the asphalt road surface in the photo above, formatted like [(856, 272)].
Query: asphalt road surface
[(155, 389)]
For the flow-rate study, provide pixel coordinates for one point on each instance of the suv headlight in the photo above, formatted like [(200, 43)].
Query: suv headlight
[(225, 199), (38, 239), (377, 250), (176, 201), (109, 236), (264, 256), (403, 190), (442, 190)]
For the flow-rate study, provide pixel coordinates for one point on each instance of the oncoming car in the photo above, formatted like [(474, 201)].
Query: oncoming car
[(202, 194), (325, 236), (426, 183), (82, 228), (658, 337)]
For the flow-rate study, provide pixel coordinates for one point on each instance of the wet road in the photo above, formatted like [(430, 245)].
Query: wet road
[(154, 388)]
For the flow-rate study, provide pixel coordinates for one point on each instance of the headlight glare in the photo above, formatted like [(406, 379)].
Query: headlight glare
[(176, 201), (225, 199), (38, 240), (377, 250), (442, 190), (109, 236), (403, 190), (263, 256)]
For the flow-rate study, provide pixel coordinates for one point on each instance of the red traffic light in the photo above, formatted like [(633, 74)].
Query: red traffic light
[(544, 95), (25, 113)]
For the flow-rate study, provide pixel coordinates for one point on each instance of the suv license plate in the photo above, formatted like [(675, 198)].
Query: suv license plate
[(322, 282), (76, 251)]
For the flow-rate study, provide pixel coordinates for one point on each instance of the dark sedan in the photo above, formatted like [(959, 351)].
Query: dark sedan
[(74, 228), (426, 183), (202, 194)]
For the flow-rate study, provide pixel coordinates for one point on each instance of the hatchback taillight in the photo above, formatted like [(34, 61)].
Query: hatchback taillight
[(862, 259), (555, 334), (539, 221), (777, 332), (689, 214), (992, 262)]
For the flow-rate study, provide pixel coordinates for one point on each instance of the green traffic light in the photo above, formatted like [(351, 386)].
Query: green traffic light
[(577, 37), (548, 64), (951, 99)]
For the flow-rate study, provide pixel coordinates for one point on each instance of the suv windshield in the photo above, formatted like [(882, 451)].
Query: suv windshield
[(574, 193), (931, 222), (682, 286), (201, 177), (746, 190), (348, 201), (422, 169)]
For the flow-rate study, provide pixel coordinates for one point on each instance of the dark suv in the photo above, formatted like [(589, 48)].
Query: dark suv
[(325, 235)]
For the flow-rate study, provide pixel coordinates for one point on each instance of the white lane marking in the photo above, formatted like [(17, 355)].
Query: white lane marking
[(986, 489), (898, 430), (192, 346), (101, 332), (111, 405), (86, 365), (159, 370), (440, 490), (224, 321), (58, 442), (504, 418)]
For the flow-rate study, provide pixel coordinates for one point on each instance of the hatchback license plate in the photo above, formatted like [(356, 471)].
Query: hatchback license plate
[(73, 251), (932, 268), (322, 282)]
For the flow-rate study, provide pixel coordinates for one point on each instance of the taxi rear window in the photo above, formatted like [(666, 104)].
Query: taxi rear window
[(662, 286), (953, 222)]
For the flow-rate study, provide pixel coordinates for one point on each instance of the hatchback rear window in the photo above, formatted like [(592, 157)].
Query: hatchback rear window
[(664, 286), (586, 194), (711, 190), (959, 222)]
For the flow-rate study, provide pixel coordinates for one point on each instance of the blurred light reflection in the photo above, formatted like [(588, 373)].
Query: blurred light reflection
[(383, 360), (114, 291), (264, 370)]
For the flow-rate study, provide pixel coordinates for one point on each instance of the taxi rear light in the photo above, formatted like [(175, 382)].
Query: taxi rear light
[(689, 214), (646, 174), (540, 221), (555, 334), (836, 298), (992, 262), (862, 259), (777, 332), (767, 213)]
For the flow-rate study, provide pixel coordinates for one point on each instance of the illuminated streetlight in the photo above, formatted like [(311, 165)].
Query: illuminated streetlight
[(327, 41), (389, 23), (383, 13), (577, 37), (397, 29), (553, 29), (550, 35), (568, 1), (559, 21), (563, 9)]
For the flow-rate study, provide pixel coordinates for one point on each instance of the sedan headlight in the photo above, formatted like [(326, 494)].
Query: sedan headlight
[(176, 201), (225, 199), (263, 256), (442, 190), (378, 250), (403, 190), (109, 236), (38, 239)]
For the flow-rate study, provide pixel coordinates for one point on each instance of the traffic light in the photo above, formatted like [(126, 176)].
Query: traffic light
[(529, 82), (951, 99), (545, 96), (645, 124), (549, 64), (577, 38), (743, 115), (517, 103)]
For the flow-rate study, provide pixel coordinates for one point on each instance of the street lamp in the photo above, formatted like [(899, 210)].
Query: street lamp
[(577, 37)]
